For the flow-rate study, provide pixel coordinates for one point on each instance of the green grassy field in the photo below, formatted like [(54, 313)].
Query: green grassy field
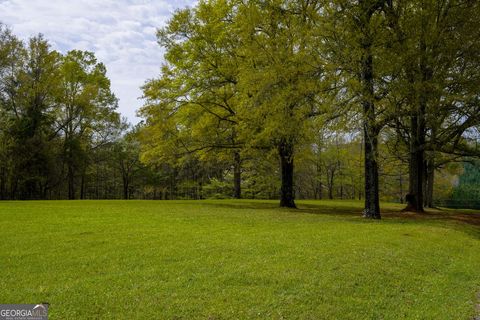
[(237, 260)]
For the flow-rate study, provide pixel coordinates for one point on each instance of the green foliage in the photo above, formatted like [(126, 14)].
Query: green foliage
[(280, 91), (216, 189), (86, 111), (249, 79), (233, 81), (29, 87), (468, 187), (54, 110), (191, 107), (252, 94)]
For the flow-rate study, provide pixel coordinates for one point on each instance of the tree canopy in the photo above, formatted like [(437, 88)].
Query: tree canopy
[(247, 77), (367, 99)]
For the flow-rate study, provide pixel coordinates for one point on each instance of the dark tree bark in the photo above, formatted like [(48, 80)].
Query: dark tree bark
[(400, 181), (126, 183), (82, 186), (71, 182), (429, 181), (416, 165), (173, 184), (45, 189), (372, 201), (287, 193), (125, 172), (417, 140), (237, 175), (331, 182), (430, 172), (370, 131), (320, 190), (13, 188), (319, 184), (3, 183)]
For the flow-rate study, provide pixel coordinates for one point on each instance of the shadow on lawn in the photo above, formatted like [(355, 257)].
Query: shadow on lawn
[(321, 208), (336, 209), (441, 215), (462, 220), (456, 219), (461, 216), (242, 204), (354, 209)]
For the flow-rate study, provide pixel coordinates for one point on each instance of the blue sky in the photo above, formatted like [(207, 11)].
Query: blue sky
[(120, 32)]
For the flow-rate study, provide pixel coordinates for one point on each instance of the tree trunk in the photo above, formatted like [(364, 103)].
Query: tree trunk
[(331, 184), (97, 181), (370, 132), (3, 183), (372, 201), (414, 197), (14, 188), (416, 163), (400, 180), (430, 179), (45, 192), (319, 182), (82, 186), (237, 175), (417, 157), (430, 173), (353, 188), (287, 195), (125, 187), (418, 134), (71, 182), (362, 153), (173, 185)]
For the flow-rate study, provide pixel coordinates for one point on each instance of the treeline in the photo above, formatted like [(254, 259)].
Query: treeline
[(466, 190), (253, 86), (59, 127), (62, 138), (260, 99)]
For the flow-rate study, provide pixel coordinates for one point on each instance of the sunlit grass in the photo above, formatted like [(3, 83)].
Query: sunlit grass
[(236, 260)]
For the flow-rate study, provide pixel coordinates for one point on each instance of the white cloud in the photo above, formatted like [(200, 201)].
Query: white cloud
[(120, 32)]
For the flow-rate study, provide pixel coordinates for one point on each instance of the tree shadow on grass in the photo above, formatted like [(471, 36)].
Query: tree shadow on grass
[(470, 218), (463, 220), (350, 208), (461, 216), (323, 207), (467, 222), (243, 204), (326, 208)]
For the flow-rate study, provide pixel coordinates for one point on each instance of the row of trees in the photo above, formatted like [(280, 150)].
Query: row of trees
[(246, 79), (356, 94), (58, 119), (61, 136)]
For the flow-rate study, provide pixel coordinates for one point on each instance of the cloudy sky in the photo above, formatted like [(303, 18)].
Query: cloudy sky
[(120, 32)]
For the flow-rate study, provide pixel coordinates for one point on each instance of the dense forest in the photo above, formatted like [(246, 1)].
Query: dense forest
[(367, 99)]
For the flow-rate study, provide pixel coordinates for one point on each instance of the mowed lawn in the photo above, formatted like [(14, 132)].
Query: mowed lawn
[(238, 260)]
